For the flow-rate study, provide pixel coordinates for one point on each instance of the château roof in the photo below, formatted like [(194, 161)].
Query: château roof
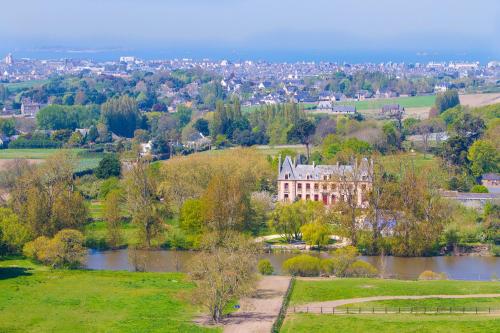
[(318, 172)]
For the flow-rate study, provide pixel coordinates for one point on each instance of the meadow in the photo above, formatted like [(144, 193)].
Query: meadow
[(328, 290), (307, 291), (38, 299)]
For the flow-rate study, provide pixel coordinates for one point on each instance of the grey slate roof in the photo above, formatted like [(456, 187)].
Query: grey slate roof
[(316, 172)]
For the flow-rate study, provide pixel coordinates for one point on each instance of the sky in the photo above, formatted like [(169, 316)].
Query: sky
[(262, 29)]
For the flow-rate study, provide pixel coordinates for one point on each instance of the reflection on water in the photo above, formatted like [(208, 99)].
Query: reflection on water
[(462, 268)]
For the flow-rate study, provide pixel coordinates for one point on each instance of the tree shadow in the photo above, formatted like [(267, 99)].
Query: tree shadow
[(13, 272)]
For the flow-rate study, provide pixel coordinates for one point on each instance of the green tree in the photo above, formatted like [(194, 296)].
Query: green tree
[(302, 132), (484, 157), (112, 216), (109, 166), (202, 126), (191, 216), (316, 233), (93, 134), (7, 127), (447, 100), (13, 233), (265, 267), (121, 116), (143, 202)]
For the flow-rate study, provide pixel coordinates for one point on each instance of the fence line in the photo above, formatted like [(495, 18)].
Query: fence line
[(393, 310)]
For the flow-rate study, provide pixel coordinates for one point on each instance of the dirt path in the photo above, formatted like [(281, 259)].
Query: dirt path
[(316, 306), (258, 313)]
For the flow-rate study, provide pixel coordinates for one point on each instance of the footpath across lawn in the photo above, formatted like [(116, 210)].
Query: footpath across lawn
[(36, 299)]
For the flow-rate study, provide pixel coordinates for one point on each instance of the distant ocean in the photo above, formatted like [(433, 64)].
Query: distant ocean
[(255, 55)]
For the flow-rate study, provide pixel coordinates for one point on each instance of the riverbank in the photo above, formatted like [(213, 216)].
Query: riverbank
[(37, 299)]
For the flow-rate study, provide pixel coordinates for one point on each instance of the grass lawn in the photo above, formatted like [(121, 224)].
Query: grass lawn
[(36, 153), (35, 299), (470, 303), (298, 323), (407, 102), (17, 86), (318, 291), (97, 230)]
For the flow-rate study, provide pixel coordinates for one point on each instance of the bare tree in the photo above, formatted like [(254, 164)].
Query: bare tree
[(223, 272)]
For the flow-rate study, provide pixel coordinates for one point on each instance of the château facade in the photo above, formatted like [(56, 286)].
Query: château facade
[(325, 183)]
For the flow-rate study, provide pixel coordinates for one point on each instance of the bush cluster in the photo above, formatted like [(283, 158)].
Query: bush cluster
[(265, 267), (64, 250), (430, 275), (343, 264)]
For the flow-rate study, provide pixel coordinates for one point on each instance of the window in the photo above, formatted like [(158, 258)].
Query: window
[(325, 177), (308, 197), (324, 187), (299, 196), (286, 197), (363, 187), (308, 186), (316, 197), (286, 176), (334, 187), (299, 186), (286, 186), (316, 186)]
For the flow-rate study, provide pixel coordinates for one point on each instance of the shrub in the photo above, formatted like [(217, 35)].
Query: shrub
[(495, 250), (341, 260), (302, 265), (430, 275), (64, 250), (265, 267), (361, 268), (327, 266), (479, 189)]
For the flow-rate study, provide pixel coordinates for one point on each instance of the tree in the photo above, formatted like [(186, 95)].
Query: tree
[(13, 233), (223, 272), (316, 233), (109, 166), (447, 100), (143, 203), (341, 259), (302, 132), (93, 134), (201, 125), (183, 114), (7, 127), (224, 204), (287, 219), (112, 216), (121, 116), (191, 218), (45, 198), (484, 157)]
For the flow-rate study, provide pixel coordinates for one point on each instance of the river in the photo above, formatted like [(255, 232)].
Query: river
[(461, 268)]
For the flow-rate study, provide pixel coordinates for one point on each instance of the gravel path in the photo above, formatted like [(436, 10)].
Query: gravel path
[(316, 306), (258, 313)]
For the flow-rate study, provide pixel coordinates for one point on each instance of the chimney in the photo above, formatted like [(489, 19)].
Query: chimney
[(314, 164)]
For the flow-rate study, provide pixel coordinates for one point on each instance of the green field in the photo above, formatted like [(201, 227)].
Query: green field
[(35, 299), (406, 102), (85, 160), (328, 290), (15, 87), (298, 323), (431, 303), (97, 231), (38, 153)]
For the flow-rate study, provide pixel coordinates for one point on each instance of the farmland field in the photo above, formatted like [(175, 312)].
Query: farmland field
[(15, 87)]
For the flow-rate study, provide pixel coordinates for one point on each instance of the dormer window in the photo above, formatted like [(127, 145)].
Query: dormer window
[(286, 176), (325, 177)]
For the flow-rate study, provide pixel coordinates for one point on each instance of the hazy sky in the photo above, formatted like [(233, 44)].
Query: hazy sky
[(261, 26)]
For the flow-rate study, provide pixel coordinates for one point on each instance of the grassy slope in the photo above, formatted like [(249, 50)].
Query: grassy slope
[(93, 301), (317, 291), (298, 323)]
